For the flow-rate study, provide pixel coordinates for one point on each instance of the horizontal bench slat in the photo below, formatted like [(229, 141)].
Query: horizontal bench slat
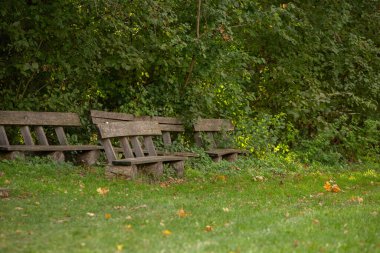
[(42, 148), (132, 128), (213, 125), (147, 160), (221, 152), (101, 115), (25, 118)]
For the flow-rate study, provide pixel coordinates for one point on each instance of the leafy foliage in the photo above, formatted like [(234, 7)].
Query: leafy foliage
[(249, 61)]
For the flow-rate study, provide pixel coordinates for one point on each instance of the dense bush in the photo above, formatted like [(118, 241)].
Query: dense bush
[(285, 73)]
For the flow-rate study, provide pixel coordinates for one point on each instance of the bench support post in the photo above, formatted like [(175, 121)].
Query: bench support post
[(88, 157), (125, 172), (12, 155), (179, 168), (231, 157)]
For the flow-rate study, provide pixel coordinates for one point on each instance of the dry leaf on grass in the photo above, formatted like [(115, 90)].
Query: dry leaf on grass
[(102, 190), (90, 214), (119, 247), (182, 213), (107, 216), (208, 228), (166, 232)]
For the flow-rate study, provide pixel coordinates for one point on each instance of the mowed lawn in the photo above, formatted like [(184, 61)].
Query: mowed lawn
[(62, 208)]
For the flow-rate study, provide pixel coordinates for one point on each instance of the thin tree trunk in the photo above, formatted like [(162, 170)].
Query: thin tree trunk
[(191, 67)]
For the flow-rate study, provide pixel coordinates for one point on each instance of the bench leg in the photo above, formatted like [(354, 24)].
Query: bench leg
[(231, 157), (179, 168), (217, 158), (88, 157), (155, 169), (125, 172), (12, 155), (57, 156)]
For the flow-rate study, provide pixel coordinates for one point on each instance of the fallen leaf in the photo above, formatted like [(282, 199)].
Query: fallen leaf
[(327, 186), (335, 188), (128, 227), (208, 228), (119, 247), (316, 221), (296, 243), (166, 232), (90, 214), (221, 178), (7, 182), (182, 213), (19, 208), (225, 209), (102, 190), (259, 178), (107, 216), (128, 217)]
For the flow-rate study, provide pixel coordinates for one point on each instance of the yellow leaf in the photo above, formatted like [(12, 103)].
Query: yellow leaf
[(102, 190), (182, 213), (107, 216), (327, 186), (90, 214), (208, 228), (335, 188), (166, 232), (119, 247)]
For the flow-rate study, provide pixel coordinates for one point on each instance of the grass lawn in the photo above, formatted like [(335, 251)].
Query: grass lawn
[(238, 207)]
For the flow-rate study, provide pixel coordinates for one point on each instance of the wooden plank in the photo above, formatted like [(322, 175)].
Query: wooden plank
[(134, 128), (24, 118), (128, 153), (41, 136), (166, 138), (61, 136), (198, 139), (168, 120), (3, 136), (49, 148), (213, 125), (103, 120), (108, 149), (172, 128), (136, 146), (111, 115), (27, 136), (148, 159), (148, 144)]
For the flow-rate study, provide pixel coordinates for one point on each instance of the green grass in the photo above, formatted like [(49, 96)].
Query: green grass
[(289, 211)]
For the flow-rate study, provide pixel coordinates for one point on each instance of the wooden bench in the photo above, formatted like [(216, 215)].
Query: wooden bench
[(32, 126), (209, 128), (169, 126), (135, 159)]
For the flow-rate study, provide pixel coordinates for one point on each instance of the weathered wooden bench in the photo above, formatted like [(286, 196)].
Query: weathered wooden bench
[(135, 159), (169, 126), (209, 128), (31, 125)]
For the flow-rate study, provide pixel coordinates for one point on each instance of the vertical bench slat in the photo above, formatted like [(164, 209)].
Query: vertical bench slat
[(136, 145), (41, 136), (25, 132), (128, 153), (61, 136), (148, 143), (3, 137), (108, 149), (166, 138)]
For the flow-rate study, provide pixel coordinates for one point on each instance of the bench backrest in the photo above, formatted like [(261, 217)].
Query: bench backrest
[(210, 127), (24, 120), (129, 133), (168, 125)]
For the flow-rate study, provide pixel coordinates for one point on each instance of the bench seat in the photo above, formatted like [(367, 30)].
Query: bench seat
[(147, 160), (50, 148)]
